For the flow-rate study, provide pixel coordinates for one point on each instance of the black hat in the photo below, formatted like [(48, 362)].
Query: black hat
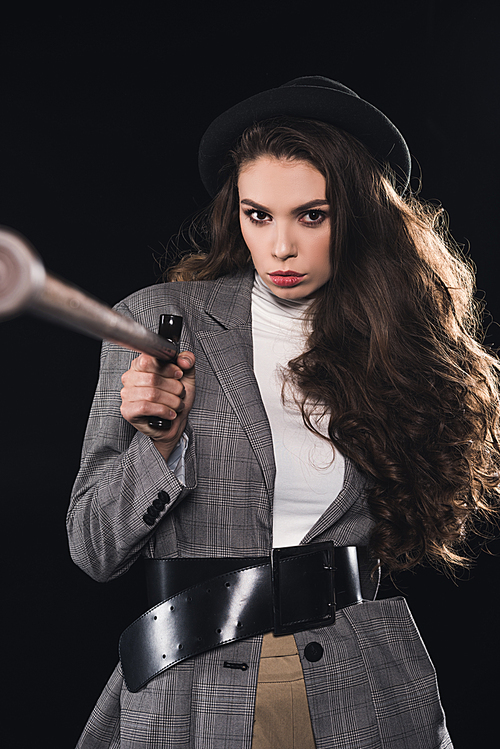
[(311, 97)]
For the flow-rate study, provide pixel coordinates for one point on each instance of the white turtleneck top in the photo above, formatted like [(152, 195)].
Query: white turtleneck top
[(309, 473)]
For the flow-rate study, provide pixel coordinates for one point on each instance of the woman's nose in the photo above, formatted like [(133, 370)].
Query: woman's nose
[(285, 245)]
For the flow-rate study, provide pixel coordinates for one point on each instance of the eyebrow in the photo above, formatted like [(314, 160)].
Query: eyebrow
[(300, 209)]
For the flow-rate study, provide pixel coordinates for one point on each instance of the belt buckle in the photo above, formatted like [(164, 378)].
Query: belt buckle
[(303, 587)]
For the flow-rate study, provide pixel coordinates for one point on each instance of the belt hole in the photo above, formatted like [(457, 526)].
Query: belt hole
[(239, 625), (228, 585), (155, 618), (172, 608), (180, 646), (208, 590), (164, 656)]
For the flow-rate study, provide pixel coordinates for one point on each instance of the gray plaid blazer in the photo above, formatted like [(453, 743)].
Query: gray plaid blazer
[(374, 687)]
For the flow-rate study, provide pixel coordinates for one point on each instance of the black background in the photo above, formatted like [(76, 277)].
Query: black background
[(101, 115)]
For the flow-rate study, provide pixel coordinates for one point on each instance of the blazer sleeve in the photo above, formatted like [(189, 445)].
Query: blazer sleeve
[(122, 475)]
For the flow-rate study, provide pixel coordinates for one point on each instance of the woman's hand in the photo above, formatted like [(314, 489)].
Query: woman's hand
[(151, 388)]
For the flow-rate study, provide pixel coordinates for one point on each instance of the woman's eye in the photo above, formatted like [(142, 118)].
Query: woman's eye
[(258, 217), (314, 217)]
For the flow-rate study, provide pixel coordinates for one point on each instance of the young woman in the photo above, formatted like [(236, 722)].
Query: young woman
[(331, 392)]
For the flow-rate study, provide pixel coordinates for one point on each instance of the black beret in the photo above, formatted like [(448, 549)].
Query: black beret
[(309, 97)]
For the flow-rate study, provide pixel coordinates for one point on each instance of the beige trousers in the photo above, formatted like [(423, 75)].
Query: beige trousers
[(282, 718)]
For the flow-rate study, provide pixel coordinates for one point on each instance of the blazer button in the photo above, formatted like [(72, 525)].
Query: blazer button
[(148, 519), (313, 651), (159, 504), (152, 511), (163, 497)]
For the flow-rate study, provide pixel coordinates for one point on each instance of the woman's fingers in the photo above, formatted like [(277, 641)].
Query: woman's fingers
[(157, 389)]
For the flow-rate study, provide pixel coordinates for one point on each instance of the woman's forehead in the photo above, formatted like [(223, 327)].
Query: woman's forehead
[(281, 178)]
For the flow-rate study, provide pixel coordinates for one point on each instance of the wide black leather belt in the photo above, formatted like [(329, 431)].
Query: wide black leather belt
[(200, 604)]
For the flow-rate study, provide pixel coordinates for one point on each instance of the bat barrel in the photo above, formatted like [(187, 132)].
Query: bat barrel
[(25, 286)]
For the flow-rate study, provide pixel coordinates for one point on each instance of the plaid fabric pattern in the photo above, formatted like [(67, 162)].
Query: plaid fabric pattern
[(374, 688), (375, 685)]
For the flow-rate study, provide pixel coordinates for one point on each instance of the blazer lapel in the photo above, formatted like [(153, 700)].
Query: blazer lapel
[(353, 491), (229, 350)]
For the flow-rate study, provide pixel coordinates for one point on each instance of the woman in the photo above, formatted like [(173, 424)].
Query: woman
[(340, 396)]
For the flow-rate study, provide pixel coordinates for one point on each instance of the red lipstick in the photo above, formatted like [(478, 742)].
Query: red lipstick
[(286, 278)]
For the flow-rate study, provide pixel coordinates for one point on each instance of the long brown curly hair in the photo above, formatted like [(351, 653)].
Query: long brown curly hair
[(394, 356)]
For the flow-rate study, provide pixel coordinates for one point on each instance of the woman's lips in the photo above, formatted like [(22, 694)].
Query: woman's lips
[(286, 278)]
